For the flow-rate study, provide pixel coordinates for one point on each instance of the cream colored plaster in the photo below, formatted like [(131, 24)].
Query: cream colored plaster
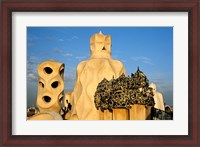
[(120, 114), (89, 73), (50, 85), (158, 98)]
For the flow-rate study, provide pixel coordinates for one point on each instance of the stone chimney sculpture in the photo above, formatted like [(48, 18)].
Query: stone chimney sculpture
[(158, 98), (50, 86), (89, 73)]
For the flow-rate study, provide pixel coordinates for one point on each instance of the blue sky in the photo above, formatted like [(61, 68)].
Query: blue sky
[(150, 48)]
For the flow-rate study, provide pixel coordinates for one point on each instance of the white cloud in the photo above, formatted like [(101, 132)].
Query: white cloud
[(80, 58), (32, 58), (72, 38), (61, 51), (61, 40), (54, 39), (32, 65), (30, 44), (31, 40), (67, 54), (70, 79), (57, 50), (143, 60), (32, 77)]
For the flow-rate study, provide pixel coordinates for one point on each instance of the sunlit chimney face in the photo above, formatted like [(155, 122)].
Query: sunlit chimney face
[(153, 86), (100, 45)]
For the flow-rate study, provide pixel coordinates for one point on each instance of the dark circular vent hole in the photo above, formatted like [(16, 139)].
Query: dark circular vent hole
[(54, 84), (47, 99), (48, 70), (41, 84)]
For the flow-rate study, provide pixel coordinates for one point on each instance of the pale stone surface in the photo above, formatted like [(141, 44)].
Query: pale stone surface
[(140, 112), (105, 115), (50, 86), (46, 115), (137, 112), (89, 73), (158, 98), (120, 114), (108, 115), (101, 115)]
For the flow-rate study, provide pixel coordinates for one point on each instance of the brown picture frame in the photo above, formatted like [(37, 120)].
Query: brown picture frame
[(9, 6)]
